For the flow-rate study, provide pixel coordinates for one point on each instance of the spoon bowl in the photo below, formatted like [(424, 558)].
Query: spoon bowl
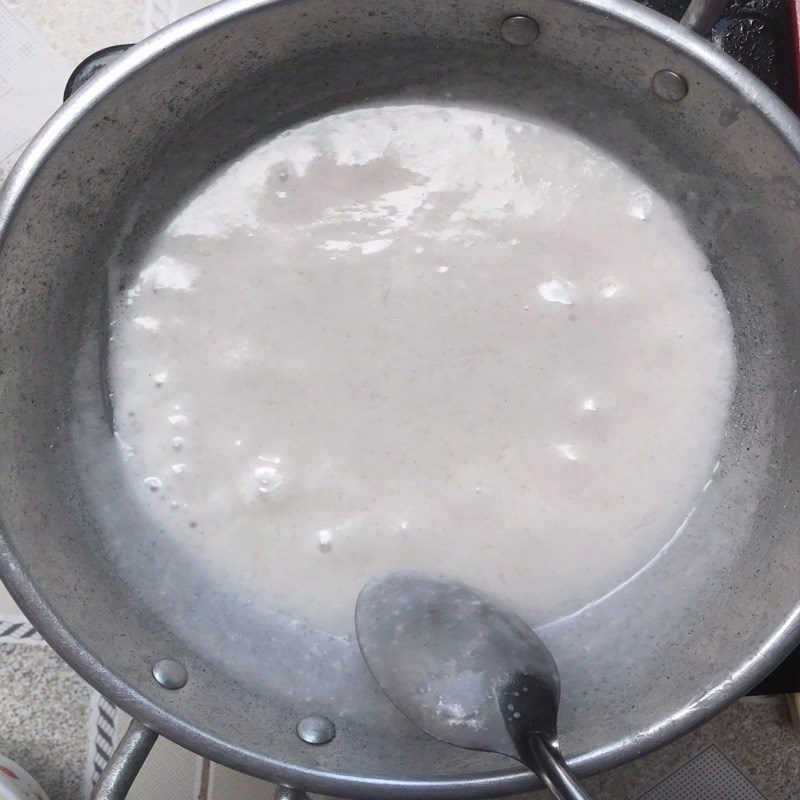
[(465, 670)]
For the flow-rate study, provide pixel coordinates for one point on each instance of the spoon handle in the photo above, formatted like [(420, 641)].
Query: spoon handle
[(546, 761)]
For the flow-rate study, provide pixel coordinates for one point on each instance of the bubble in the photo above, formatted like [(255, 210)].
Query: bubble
[(640, 203), (569, 451), (610, 288), (152, 483), (261, 480), (557, 291), (268, 478), (148, 323), (375, 246)]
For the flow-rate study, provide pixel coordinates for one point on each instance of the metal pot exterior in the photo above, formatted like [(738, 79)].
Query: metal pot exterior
[(687, 635)]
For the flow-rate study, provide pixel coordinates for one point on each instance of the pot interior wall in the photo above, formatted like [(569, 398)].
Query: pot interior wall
[(646, 662)]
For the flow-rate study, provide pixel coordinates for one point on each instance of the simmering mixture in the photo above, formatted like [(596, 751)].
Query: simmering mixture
[(422, 337)]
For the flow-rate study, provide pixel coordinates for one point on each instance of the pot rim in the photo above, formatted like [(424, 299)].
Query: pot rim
[(516, 780)]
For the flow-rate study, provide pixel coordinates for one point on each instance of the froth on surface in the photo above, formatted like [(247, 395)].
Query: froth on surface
[(422, 337)]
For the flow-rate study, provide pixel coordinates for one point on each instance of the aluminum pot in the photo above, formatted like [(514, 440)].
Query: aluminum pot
[(686, 635)]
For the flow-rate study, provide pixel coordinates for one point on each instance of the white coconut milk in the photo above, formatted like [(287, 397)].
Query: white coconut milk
[(422, 337)]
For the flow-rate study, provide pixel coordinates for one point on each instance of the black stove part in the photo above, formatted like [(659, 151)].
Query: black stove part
[(784, 680), (758, 34), (91, 65)]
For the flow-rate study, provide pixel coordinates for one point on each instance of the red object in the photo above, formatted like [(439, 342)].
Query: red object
[(794, 21), (8, 772)]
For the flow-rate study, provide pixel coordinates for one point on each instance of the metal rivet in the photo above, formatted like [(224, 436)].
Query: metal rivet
[(519, 30), (668, 85), (170, 674), (316, 729)]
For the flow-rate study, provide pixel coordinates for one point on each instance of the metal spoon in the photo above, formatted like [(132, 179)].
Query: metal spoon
[(465, 671)]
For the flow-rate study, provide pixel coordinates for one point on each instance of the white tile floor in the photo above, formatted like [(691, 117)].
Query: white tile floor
[(8, 609)]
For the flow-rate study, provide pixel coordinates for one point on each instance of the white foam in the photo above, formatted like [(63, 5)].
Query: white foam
[(422, 337)]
